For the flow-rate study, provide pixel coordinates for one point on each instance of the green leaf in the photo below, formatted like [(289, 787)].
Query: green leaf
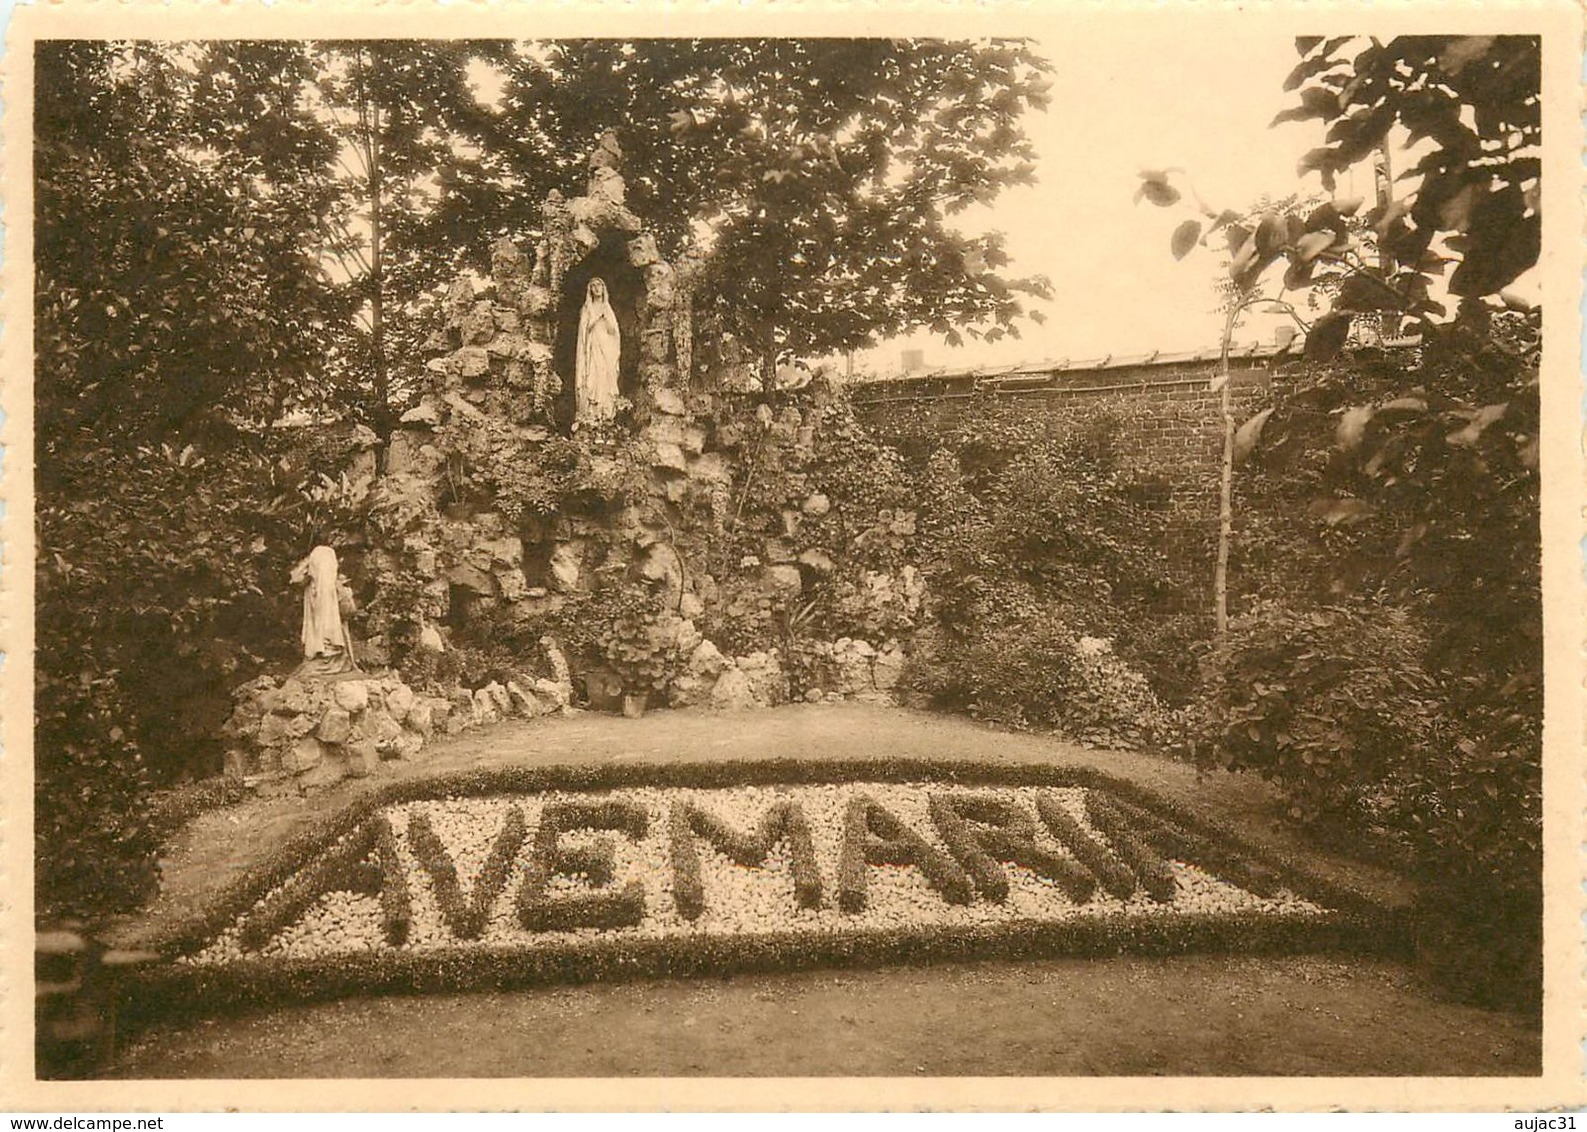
[(1327, 337), (1185, 237), (1249, 435)]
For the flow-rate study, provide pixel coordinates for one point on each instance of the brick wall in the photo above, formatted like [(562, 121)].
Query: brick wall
[(1173, 432)]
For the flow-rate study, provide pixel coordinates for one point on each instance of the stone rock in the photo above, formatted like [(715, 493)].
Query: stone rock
[(852, 660), (524, 702), (816, 505), (292, 698), (459, 300), (507, 551), (399, 700), (335, 725), (244, 720), (471, 578), (764, 673), (712, 468), (536, 301), (234, 764), (606, 183), (379, 726), (565, 564), (506, 346), (694, 437), (350, 695), (404, 746), (498, 696), (660, 286), (694, 683), (887, 668), (473, 361), (784, 579), (421, 717), (303, 755), (818, 560), (410, 452), (512, 584), (276, 729), (777, 550), (430, 639), (426, 412), (479, 324), (460, 408), (483, 708), (670, 456), (642, 251), (331, 770), (507, 319), (668, 401), (732, 691), (360, 758), (554, 692)]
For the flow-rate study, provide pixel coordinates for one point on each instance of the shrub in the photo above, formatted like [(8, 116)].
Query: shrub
[(1326, 703)]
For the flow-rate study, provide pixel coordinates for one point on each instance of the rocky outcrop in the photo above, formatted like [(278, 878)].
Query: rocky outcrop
[(315, 732)]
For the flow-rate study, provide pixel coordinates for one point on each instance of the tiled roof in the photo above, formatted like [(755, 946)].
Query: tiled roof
[(1048, 368)]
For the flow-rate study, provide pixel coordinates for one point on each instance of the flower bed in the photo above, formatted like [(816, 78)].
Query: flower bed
[(523, 876)]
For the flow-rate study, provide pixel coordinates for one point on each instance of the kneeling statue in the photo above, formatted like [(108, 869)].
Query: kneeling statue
[(327, 649)]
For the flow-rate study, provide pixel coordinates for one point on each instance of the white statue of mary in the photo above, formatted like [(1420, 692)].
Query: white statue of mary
[(595, 364)]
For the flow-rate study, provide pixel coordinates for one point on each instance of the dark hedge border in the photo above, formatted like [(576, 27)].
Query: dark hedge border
[(982, 832), (340, 867), (783, 819), (178, 992), (1154, 873), (1171, 837), (540, 912), (1357, 923), (396, 901), (874, 835), (466, 917), (1117, 878)]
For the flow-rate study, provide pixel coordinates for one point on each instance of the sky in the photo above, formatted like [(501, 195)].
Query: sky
[(1129, 96)]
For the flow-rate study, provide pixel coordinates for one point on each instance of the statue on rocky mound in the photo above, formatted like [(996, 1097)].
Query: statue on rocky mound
[(327, 649), (595, 366)]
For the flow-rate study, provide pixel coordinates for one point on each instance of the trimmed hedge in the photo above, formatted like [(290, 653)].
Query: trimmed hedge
[(1154, 873), (1359, 920), (1116, 878), (783, 820), (982, 831), (466, 918), (541, 912), (396, 902), (873, 835), (182, 991), (341, 867), (192, 934)]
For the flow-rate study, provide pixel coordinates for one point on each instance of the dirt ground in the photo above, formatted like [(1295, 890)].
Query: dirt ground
[(1202, 1014), (1298, 1016)]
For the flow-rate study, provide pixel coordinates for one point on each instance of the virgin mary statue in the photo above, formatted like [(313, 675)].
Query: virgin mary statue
[(595, 365)]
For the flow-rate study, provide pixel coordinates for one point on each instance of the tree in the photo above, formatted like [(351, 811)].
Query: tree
[(814, 178), (1424, 469), (170, 274), (408, 123)]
